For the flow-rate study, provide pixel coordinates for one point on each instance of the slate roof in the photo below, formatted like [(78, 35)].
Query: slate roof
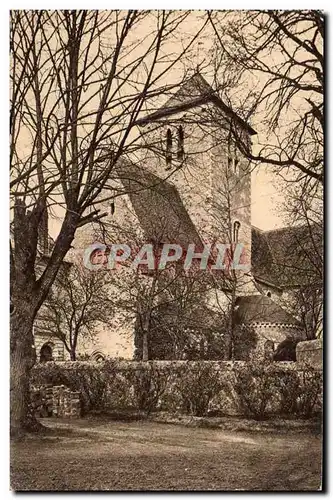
[(194, 92), (158, 206), (288, 256), (261, 309)]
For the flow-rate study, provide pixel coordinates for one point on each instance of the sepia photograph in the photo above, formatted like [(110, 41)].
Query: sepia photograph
[(166, 250)]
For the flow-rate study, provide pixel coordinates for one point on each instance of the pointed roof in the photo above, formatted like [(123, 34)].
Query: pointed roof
[(192, 89), (194, 92)]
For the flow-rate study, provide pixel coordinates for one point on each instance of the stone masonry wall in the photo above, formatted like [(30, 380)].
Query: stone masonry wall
[(123, 385), (56, 401), (58, 351)]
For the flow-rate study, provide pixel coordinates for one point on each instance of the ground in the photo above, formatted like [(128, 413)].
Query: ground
[(108, 455)]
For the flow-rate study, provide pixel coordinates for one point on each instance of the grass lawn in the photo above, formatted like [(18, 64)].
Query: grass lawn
[(98, 455)]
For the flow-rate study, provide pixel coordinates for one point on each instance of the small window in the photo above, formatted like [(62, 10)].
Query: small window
[(180, 150), (236, 231), (168, 154), (233, 165), (112, 207), (269, 294), (236, 163)]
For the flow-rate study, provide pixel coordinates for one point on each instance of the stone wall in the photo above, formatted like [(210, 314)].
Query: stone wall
[(56, 401), (170, 385)]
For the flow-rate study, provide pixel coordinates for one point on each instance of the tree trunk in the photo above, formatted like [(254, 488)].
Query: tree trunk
[(72, 355), (27, 297), (22, 359), (145, 350)]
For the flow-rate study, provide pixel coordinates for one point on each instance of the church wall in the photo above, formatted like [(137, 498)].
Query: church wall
[(254, 339), (59, 353), (231, 194), (114, 342), (123, 227)]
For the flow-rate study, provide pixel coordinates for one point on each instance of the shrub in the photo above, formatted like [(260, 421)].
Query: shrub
[(195, 387), (266, 389), (309, 398), (288, 385), (149, 384), (256, 389), (286, 350), (198, 383), (299, 391), (120, 392)]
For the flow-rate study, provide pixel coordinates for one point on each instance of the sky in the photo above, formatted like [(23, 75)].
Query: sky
[(266, 200)]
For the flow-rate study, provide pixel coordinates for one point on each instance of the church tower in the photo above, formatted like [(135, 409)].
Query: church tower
[(193, 142)]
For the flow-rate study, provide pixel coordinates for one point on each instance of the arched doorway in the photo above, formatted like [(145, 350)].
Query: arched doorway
[(46, 353)]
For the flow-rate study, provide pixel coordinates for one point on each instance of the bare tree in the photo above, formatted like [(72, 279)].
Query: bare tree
[(76, 306), (79, 81), (278, 56), (168, 305), (269, 66)]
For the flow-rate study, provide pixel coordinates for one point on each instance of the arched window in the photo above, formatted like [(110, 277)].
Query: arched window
[(236, 166), (168, 154), (233, 165), (46, 353), (236, 231), (113, 202), (269, 294), (268, 350), (98, 356), (180, 149)]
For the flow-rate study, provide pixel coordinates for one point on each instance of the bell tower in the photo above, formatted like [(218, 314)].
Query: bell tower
[(190, 143)]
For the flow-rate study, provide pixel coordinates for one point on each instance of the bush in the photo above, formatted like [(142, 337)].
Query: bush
[(149, 384), (198, 383), (266, 389), (194, 387), (309, 397), (288, 385), (286, 351), (256, 389), (299, 391)]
